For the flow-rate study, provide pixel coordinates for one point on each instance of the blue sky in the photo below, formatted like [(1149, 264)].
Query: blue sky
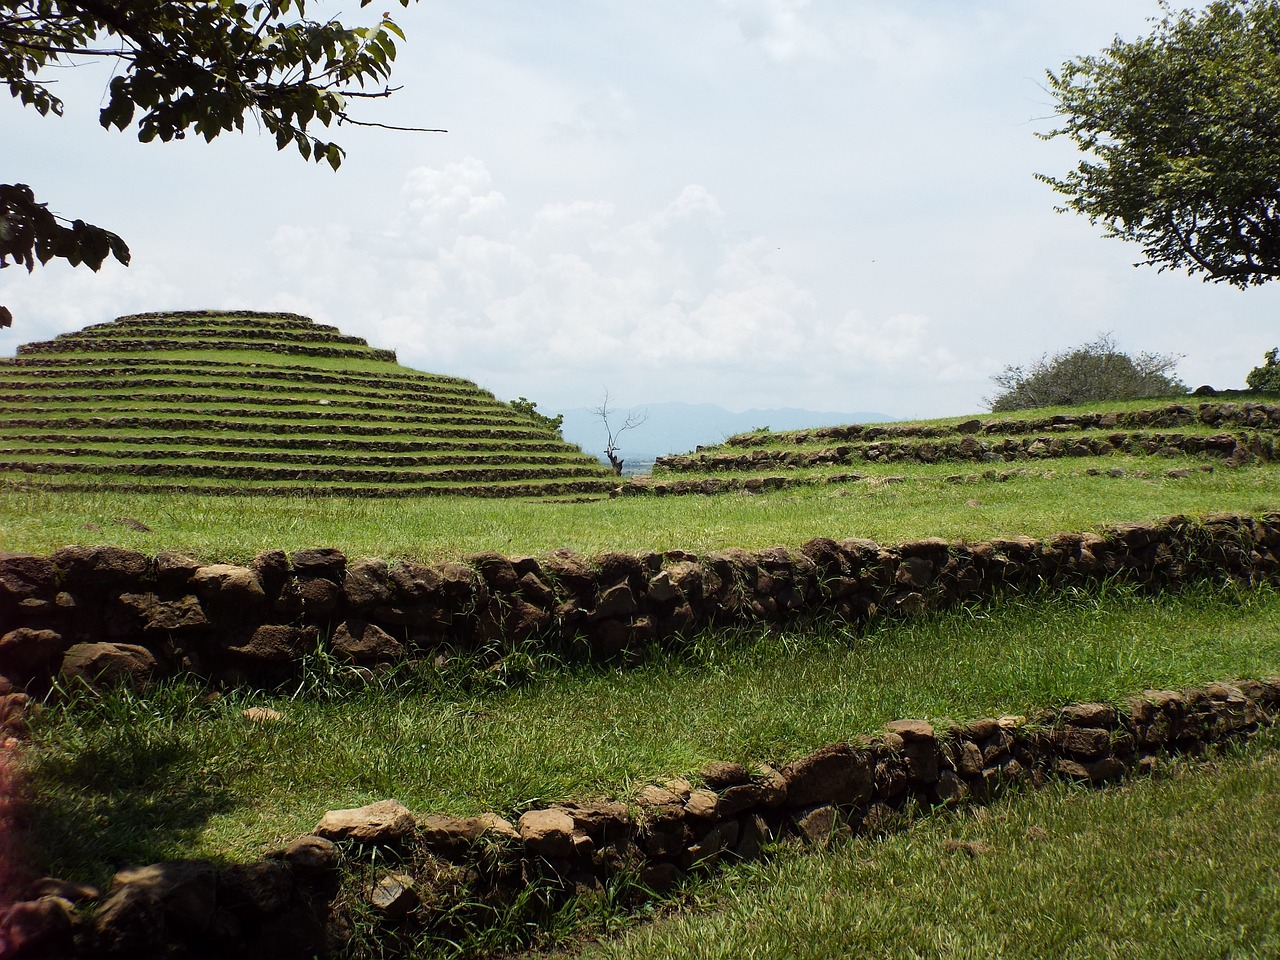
[(755, 203)]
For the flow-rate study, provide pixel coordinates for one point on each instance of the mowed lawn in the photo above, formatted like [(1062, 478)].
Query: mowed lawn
[(919, 501)]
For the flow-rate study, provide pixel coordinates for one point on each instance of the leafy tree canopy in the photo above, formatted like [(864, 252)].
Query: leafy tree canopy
[(1094, 371), (529, 408), (1266, 378), (1181, 132), (198, 67)]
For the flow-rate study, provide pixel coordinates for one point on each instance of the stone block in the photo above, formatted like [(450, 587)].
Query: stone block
[(185, 889), (548, 833), (382, 822), (108, 664), (837, 773)]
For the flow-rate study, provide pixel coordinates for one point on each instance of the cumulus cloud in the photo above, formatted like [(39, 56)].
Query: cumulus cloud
[(458, 194), (580, 291), (58, 298), (887, 343)]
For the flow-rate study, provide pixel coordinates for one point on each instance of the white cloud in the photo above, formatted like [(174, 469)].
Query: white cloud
[(547, 307), (58, 298), (458, 194), (887, 343), (783, 29)]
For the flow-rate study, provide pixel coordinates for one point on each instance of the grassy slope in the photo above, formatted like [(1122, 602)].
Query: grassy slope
[(1184, 865), (175, 775), (235, 528)]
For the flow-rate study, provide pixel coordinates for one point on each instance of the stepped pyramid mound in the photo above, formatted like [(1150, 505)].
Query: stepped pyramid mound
[(263, 403)]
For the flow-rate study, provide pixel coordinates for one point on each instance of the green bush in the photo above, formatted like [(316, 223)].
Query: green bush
[(529, 408), (1094, 371), (1266, 378)]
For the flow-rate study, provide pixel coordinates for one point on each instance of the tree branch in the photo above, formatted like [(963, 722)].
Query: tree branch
[(343, 118)]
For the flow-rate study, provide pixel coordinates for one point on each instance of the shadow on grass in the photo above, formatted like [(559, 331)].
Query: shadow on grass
[(108, 787)]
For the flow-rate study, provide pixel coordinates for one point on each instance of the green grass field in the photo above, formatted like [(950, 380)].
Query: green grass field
[(132, 778), (173, 773), (1182, 865), (1037, 502)]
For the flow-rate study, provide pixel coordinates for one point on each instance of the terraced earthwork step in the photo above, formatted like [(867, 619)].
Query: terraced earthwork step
[(1234, 432)]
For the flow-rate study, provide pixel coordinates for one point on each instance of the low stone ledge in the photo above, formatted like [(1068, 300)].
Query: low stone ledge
[(254, 624), (656, 838)]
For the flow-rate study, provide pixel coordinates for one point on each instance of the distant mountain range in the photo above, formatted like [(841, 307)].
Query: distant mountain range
[(677, 427)]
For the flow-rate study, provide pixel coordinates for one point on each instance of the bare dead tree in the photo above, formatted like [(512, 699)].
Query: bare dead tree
[(633, 420)]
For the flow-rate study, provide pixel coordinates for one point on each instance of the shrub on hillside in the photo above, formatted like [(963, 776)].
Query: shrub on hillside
[(1266, 377), (1094, 371), (529, 408)]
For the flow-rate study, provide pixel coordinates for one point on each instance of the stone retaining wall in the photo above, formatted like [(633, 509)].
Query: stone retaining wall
[(86, 612), (54, 368), (557, 454), (525, 489), (24, 402), (577, 467), (1234, 447), (215, 315), (416, 876), (103, 344), (370, 426), (301, 443), (1215, 414), (228, 393), (211, 332)]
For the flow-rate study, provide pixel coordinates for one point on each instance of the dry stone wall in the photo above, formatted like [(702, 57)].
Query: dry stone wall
[(1250, 414), (575, 489), (282, 427), (109, 615), (135, 346), (321, 444), (1236, 447), (320, 474), (416, 876), (99, 612), (48, 368)]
